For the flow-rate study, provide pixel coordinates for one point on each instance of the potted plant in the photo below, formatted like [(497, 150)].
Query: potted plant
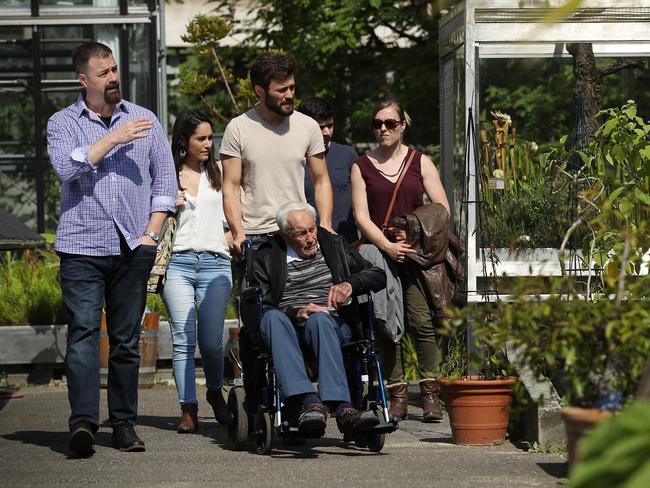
[(476, 380), (591, 335), (593, 352)]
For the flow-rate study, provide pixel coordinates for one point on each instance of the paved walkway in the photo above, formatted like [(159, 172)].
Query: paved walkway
[(34, 452)]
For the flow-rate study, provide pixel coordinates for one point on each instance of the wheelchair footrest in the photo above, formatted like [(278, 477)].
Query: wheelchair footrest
[(378, 429), (385, 428), (290, 432)]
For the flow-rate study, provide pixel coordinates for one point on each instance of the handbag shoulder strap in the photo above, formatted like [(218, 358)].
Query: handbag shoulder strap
[(410, 155)]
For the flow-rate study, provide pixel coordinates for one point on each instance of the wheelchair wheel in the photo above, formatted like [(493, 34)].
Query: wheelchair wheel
[(376, 442), (263, 433), (237, 419), (361, 442)]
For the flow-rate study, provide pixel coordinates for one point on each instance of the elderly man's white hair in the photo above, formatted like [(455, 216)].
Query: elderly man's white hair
[(282, 214)]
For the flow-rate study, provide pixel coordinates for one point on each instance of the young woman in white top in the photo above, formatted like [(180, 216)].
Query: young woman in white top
[(199, 281)]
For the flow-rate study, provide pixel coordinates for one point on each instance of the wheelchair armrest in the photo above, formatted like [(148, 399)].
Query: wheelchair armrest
[(250, 307)]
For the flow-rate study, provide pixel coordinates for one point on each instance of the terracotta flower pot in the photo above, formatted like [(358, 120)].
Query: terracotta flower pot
[(479, 410), (578, 421)]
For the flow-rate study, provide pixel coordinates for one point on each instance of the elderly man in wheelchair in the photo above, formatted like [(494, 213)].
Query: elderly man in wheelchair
[(309, 279)]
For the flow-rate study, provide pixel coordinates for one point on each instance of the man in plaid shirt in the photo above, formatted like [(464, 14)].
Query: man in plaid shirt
[(118, 184)]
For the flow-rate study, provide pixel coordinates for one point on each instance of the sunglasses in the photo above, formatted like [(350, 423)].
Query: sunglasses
[(329, 126), (390, 124)]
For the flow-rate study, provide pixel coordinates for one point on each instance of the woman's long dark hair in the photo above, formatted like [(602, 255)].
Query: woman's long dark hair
[(185, 125)]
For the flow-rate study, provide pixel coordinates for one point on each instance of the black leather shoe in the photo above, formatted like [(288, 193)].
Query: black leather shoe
[(312, 419), (126, 440), (82, 439)]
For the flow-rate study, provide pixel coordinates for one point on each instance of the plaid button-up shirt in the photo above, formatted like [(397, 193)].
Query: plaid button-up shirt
[(120, 193)]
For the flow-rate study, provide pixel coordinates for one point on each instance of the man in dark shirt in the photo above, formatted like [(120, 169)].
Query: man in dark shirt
[(339, 161)]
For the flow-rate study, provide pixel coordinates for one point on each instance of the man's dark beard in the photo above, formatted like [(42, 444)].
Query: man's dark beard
[(276, 108), (112, 97)]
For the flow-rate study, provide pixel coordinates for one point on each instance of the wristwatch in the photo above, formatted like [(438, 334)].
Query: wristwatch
[(154, 236)]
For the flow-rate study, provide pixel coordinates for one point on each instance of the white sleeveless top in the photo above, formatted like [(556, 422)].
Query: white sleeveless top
[(200, 223)]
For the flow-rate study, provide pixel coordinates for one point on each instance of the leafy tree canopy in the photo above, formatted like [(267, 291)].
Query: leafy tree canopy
[(355, 52)]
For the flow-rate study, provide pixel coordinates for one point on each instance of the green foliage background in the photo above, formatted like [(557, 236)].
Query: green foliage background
[(341, 57), (30, 290)]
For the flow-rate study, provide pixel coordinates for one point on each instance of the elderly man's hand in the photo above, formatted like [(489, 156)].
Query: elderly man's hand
[(307, 310), (339, 294)]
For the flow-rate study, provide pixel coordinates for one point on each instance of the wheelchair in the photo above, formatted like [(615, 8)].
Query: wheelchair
[(255, 406)]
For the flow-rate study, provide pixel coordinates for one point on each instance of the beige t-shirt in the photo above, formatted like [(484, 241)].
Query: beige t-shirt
[(273, 171)]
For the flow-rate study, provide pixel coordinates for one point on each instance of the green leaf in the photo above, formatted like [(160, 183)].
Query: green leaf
[(586, 158), (614, 195), (640, 479), (630, 111), (644, 197), (609, 126), (645, 152), (626, 206), (375, 3)]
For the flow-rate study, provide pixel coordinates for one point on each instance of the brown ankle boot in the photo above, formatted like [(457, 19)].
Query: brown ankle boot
[(398, 401), (429, 391), (216, 400), (189, 419)]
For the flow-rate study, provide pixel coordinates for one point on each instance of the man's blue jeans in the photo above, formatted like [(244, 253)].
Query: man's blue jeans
[(197, 283), (86, 281)]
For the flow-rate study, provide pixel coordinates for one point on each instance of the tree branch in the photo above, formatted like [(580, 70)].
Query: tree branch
[(213, 109), (573, 227), (402, 33), (225, 78), (622, 271), (625, 64)]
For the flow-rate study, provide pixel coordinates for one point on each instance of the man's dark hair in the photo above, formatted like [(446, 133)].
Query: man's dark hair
[(316, 108), (83, 53), (268, 66)]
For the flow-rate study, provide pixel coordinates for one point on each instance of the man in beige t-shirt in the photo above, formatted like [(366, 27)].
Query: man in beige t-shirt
[(264, 153)]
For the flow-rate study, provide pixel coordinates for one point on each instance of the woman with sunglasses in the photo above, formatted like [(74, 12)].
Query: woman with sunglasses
[(198, 282), (374, 177)]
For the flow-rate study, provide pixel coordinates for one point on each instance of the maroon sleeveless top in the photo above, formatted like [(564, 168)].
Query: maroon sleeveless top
[(380, 191)]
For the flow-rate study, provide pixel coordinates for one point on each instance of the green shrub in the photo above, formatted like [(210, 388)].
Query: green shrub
[(30, 291), (536, 216), (589, 349), (157, 304), (617, 451), (13, 300)]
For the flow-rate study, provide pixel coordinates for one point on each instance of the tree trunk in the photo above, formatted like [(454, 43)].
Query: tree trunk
[(588, 79)]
